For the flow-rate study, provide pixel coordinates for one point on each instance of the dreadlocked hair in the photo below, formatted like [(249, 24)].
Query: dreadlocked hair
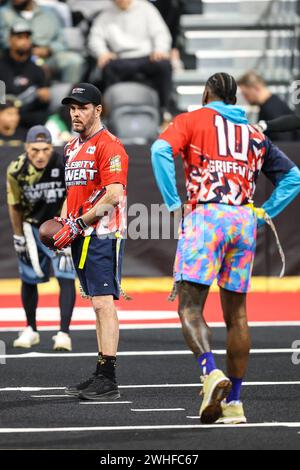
[(223, 86)]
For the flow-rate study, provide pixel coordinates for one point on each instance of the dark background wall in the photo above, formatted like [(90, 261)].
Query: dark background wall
[(155, 257)]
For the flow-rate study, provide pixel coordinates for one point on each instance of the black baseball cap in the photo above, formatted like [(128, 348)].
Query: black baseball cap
[(84, 93), (20, 28), (38, 134)]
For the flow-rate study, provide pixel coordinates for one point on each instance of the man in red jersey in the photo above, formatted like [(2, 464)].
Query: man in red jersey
[(223, 156), (96, 166)]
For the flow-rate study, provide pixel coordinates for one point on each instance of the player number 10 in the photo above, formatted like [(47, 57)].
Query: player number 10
[(228, 139)]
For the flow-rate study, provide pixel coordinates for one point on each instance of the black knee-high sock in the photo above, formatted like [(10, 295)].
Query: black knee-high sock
[(30, 302), (67, 300)]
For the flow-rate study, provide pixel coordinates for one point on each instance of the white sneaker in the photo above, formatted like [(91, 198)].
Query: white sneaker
[(232, 413), (27, 339), (62, 342)]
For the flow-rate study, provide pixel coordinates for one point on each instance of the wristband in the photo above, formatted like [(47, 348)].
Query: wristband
[(81, 224)]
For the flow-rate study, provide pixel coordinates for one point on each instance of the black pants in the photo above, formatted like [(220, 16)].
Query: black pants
[(66, 302), (171, 11), (156, 74)]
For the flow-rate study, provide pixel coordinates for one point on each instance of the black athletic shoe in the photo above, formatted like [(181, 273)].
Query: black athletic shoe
[(102, 389), (75, 390)]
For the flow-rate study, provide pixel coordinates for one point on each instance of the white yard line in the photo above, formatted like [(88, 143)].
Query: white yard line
[(52, 396), (156, 410), (245, 384), (105, 402), (146, 386), (219, 352), (30, 389), (146, 428)]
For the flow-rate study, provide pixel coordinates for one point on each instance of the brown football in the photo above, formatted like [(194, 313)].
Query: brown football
[(48, 230)]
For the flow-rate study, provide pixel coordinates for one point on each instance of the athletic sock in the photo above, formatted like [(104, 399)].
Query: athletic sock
[(207, 363), (67, 300), (107, 366), (235, 393), (30, 302)]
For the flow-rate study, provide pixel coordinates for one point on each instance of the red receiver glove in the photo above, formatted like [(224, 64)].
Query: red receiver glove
[(70, 231), (74, 226)]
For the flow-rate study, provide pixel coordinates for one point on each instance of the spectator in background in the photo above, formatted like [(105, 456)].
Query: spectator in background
[(60, 126), (49, 45), (131, 42), (256, 93), (171, 11), (10, 120), (61, 9), (23, 78)]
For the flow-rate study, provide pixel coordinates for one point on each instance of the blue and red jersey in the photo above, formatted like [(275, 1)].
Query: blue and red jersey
[(90, 166), (222, 159)]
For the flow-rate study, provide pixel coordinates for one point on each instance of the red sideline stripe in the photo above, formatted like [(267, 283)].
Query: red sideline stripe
[(18, 324), (261, 306), (141, 301)]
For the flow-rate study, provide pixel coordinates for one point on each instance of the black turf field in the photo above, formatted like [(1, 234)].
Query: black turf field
[(44, 410)]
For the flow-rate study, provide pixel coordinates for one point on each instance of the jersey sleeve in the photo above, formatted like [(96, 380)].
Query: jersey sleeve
[(13, 188), (177, 134), (113, 164), (165, 173), (276, 164), (284, 124)]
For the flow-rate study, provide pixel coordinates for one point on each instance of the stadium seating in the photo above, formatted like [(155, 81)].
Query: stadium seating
[(58, 91), (229, 35), (75, 39), (260, 35), (88, 7), (132, 111)]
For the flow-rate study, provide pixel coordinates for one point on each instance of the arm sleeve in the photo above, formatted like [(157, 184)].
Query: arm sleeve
[(58, 42), (284, 124), (113, 164), (177, 134), (97, 42), (165, 174), (159, 32), (285, 176), (276, 164), (13, 190), (287, 189)]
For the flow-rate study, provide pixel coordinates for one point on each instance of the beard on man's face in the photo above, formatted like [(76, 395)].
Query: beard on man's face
[(23, 52), (82, 127), (78, 127)]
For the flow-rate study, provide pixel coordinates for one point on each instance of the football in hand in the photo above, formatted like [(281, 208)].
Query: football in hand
[(48, 230)]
